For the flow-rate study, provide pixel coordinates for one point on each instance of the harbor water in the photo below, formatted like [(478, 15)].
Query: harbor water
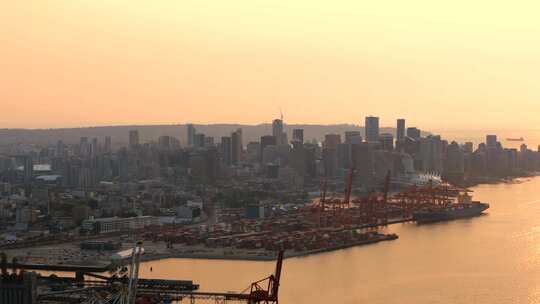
[(493, 258)]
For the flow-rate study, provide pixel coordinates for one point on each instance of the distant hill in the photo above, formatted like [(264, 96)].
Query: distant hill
[(119, 134)]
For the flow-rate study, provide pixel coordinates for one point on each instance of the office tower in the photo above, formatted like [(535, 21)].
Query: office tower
[(198, 140), (400, 129), (253, 151), (372, 129), (298, 135), (191, 135), (226, 150), (491, 140), (107, 148), (363, 162), (133, 138), (277, 131), (28, 167), (209, 141), (332, 140), (267, 140), (413, 133), (94, 147), (353, 137), (387, 141), (431, 154), (454, 164), (236, 143), (83, 146), (60, 149), (164, 142), (330, 160), (468, 147)]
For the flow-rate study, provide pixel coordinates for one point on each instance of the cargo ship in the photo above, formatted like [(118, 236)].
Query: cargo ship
[(463, 208)]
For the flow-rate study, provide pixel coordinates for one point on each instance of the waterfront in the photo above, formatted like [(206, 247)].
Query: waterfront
[(494, 258)]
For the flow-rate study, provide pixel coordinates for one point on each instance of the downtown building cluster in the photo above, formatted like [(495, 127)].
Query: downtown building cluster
[(100, 180)]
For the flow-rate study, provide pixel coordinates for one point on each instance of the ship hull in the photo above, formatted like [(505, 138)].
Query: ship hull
[(449, 214)]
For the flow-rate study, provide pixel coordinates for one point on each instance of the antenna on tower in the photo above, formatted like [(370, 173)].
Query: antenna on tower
[(281, 113)]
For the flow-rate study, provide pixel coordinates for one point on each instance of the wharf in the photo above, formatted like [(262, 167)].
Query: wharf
[(67, 268)]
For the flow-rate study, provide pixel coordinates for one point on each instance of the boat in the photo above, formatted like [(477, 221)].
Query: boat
[(463, 208), (515, 139)]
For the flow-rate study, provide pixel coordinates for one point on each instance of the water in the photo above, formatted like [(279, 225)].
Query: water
[(493, 258)]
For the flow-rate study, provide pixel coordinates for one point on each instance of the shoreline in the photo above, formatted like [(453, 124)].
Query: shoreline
[(265, 257)]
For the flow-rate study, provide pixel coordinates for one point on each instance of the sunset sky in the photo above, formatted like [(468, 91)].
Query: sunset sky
[(440, 64)]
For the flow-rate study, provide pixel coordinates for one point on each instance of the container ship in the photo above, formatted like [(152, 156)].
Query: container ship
[(463, 208)]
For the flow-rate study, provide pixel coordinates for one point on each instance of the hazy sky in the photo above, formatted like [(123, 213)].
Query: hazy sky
[(440, 64)]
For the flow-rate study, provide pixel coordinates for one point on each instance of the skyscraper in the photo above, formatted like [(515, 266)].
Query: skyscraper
[(236, 143), (277, 131), (226, 150), (28, 167), (387, 141), (133, 138), (372, 128), (353, 137), (413, 132), (191, 135), (267, 140), (491, 140), (107, 148), (198, 140), (298, 135), (332, 140), (94, 147), (400, 129)]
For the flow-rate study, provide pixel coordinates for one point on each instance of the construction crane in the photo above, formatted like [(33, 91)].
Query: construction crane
[(114, 291), (134, 272)]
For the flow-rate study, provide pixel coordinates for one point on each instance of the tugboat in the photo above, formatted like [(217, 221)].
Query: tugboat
[(464, 207)]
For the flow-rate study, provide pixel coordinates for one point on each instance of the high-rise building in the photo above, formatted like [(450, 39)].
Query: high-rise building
[(298, 135), (94, 147), (28, 167), (209, 141), (332, 140), (267, 140), (191, 135), (198, 140), (107, 148), (413, 133), (84, 146), (330, 160), (237, 147), (387, 141), (164, 142), (491, 140), (133, 138), (277, 131), (226, 150), (60, 149), (353, 137), (253, 151), (372, 128), (400, 129), (363, 161), (468, 147)]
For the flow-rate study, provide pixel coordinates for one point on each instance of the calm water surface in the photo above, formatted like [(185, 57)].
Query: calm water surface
[(493, 258)]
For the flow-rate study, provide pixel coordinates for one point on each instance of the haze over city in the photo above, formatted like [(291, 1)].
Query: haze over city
[(87, 63), (265, 152)]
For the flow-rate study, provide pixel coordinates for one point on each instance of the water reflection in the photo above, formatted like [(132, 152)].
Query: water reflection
[(487, 259)]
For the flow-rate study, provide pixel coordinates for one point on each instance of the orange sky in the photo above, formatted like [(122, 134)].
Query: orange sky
[(461, 64)]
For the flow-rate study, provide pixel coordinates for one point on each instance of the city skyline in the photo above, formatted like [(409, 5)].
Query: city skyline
[(72, 64)]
